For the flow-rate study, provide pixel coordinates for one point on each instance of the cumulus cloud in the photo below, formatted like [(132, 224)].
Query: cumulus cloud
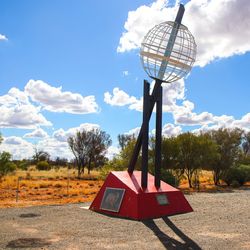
[(170, 130), (184, 115), (55, 100), (221, 27), (62, 135), (17, 112), (119, 98), (112, 152), (55, 148), (37, 133), (18, 147), (171, 93), (134, 132), (3, 37), (22, 109)]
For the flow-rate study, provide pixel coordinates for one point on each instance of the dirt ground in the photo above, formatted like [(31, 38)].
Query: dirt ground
[(220, 220)]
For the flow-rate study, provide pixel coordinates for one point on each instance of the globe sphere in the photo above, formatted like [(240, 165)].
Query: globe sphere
[(168, 52)]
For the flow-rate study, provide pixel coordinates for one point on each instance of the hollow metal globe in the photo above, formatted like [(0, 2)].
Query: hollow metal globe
[(154, 52)]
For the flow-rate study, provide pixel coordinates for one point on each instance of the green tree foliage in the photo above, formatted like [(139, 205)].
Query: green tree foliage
[(60, 162), (22, 164), (194, 152), (98, 143), (89, 148), (6, 166), (43, 165), (228, 148), (246, 143), (124, 140), (240, 174), (127, 152), (40, 155)]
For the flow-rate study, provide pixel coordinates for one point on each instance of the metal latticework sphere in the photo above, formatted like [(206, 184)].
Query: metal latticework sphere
[(168, 52)]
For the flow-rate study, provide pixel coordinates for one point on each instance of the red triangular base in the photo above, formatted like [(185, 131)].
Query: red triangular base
[(137, 203)]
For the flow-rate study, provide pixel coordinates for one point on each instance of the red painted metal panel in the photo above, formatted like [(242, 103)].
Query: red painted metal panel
[(141, 203)]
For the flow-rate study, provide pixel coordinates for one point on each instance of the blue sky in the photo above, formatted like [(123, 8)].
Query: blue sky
[(71, 65)]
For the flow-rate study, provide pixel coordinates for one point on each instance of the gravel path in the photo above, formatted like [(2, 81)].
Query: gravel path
[(220, 221)]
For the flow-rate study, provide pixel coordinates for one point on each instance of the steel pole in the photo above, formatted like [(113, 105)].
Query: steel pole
[(145, 128)]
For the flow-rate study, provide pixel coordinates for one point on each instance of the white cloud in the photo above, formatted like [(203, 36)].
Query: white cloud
[(3, 37), (119, 98), (220, 27), (19, 148), (55, 100), (55, 148), (18, 112), (134, 132), (62, 135), (37, 133), (112, 152), (183, 115), (170, 130), (171, 93)]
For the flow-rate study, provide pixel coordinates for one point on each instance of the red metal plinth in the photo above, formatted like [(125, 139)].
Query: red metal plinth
[(138, 203)]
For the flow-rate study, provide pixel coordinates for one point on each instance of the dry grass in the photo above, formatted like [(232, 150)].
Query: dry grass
[(48, 187), (61, 186)]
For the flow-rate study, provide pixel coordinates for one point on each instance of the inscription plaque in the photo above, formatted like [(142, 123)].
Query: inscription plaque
[(112, 199), (162, 199)]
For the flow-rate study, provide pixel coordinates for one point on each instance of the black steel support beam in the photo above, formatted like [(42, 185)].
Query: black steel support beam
[(158, 138), (138, 144), (145, 128)]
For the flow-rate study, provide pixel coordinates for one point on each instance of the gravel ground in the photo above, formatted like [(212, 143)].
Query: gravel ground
[(220, 221)]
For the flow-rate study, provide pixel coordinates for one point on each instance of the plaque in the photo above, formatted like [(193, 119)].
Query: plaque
[(162, 199), (112, 199)]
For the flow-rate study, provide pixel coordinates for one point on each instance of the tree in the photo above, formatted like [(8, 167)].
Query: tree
[(124, 140), (40, 155), (246, 143), (228, 142), (89, 147), (1, 138), (6, 166), (98, 143), (78, 145), (193, 153), (61, 162)]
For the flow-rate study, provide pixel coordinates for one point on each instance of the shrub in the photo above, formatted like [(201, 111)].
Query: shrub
[(240, 174), (6, 168), (235, 184), (23, 165), (43, 165), (169, 178)]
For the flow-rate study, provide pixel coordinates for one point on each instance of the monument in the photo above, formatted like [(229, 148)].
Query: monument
[(167, 54)]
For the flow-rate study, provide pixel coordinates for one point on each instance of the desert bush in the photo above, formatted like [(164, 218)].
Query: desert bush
[(43, 165), (32, 168), (28, 176), (23, 165), (168, 177), (240, 174), (235, 184), (6, 166)]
